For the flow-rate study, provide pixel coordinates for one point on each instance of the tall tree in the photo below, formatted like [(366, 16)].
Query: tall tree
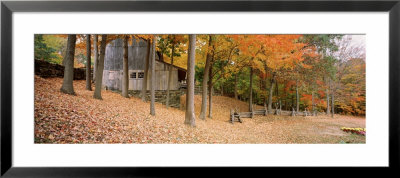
[(146, 70), (96, 55), (170, 70), (251, 90), (88, 63), (153, 76), (271, 91), (67, 86), (205, 80), (236, 86), (210, 91), (190, 117), (100, 68), (125, 78)]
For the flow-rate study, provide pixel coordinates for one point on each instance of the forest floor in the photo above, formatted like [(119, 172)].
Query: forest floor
[(62, 118)]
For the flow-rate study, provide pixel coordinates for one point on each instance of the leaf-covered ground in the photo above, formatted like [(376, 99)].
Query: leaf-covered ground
[(62, 118)]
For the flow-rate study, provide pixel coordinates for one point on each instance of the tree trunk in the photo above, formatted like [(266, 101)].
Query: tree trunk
[(146, 71), (327, 100), (88, 64), (333, 101), (312, 103), (297, 97), (205, 81), (190, 117), (271, 91), (100, 68), (210, 93), (125, 76), (251, 90), (96, 56), (67, 86), (222, 81), (153, 77), (170, 74), (236, 86)]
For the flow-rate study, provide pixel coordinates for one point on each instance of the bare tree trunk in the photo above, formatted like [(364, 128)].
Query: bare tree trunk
[(67, 86), (210, 93), (190, 117), (236, 86), (222, 81), (96, 56), (313, 103), (271, 91), (125, 76), (205, 81), (153, 77), (100, 68), (170, 73), (88, 63), (327, 99), (251, 90), (146, 71), (297, 97), (125, 68), (333, 100)]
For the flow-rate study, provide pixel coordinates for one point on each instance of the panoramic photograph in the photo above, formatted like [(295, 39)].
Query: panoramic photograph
[(199, 89)]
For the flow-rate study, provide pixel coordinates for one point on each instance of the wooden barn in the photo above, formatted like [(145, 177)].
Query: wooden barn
[(113, 68)]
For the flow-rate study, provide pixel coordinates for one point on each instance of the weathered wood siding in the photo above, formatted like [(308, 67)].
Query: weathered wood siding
[(112, 74)]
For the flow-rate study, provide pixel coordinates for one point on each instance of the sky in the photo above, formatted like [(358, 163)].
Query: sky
[(357, 40)]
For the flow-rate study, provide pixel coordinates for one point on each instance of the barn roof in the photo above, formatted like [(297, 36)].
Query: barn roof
[(180, 68)]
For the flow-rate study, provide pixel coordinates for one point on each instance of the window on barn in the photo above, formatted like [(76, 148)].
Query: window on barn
[(133, 75), (140, 74)]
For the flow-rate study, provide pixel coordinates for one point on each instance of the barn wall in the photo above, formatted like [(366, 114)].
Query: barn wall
[(137, 51), (112, 79)]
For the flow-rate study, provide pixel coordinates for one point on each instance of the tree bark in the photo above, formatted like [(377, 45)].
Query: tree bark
[(125, 76), (333, 101), (222, 82), (236, 86), (100, 68), (251, 90), (67, 86), (96, 56), (170, 73), (205, 81), (271, 91), (153, 77), (88, 63), (297, 97), (190, 117), (210, 93), (312, 103), (327, 99), (146, 71)]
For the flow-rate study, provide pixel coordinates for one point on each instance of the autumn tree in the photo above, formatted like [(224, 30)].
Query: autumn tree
[(125, 76), (153, 76), (146, 70), (67, 86), (190, 117), (325, 45), (100, 68), (205, 80), (88, 63), (170, 42), (96, 55)]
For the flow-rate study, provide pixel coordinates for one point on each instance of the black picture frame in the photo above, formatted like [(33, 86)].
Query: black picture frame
[(8, 7)]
